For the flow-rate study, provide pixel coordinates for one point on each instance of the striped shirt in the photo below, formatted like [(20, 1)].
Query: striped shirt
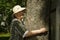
[(17, 30)]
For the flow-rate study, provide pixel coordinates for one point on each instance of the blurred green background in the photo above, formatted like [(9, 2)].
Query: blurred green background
[(6, 16)]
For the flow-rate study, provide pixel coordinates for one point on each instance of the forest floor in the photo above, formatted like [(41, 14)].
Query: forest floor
[(4, 36)]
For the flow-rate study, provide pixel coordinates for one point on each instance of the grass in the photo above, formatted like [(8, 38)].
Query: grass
[(5, 35)]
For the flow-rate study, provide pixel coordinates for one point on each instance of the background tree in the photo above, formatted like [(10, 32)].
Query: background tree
[(37, 16)]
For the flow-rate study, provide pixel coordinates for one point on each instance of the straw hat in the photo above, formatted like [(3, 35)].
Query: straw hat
[(17, 9)]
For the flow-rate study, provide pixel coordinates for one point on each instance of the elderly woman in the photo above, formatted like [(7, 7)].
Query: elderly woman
[(18, 30)]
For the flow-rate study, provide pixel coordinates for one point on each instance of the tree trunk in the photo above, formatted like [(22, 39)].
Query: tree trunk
[(58, 20), (37, 11)]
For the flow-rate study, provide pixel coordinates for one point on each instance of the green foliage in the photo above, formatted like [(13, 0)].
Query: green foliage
[(6, 12)]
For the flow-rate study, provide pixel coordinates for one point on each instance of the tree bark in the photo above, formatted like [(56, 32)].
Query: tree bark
[(37, 11)]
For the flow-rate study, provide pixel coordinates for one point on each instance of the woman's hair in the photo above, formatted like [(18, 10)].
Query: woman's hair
[(13, 16)]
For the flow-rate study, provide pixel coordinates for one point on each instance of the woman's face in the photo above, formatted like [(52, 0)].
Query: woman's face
[(19, 15)]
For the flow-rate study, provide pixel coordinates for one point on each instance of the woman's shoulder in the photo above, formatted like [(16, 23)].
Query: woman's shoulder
[(15, 20)]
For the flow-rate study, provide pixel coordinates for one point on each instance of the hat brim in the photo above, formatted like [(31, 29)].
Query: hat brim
[(19, 10), (22, 9)]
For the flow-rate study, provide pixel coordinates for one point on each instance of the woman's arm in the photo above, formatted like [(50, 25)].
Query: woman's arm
[(34, 32)]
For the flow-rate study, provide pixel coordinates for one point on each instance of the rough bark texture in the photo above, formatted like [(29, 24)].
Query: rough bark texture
[(37, 11)]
